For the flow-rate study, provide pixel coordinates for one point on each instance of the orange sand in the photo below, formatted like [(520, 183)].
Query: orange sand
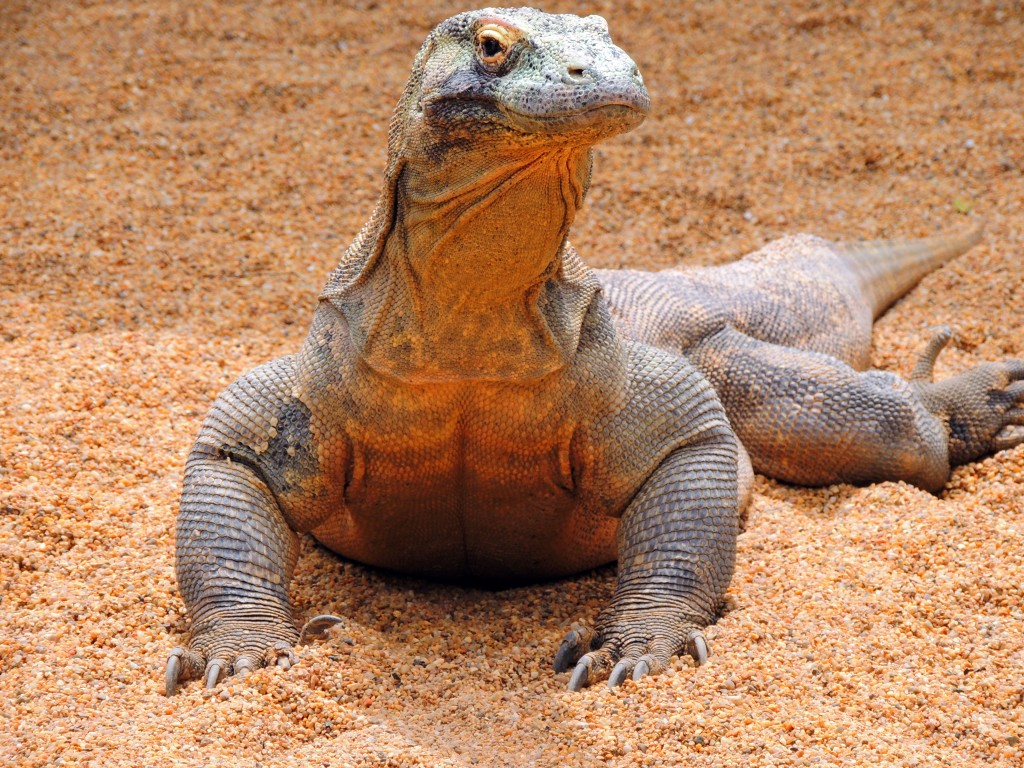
[(177, 180)]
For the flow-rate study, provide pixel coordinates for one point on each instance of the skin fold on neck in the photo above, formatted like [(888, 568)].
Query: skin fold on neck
[(471, 281)]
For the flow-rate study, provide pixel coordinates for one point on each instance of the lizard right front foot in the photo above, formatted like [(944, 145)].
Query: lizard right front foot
[(221, 648), (237, 648)]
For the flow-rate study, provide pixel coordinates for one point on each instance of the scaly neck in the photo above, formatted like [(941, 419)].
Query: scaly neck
[(479, 235), (471, 280)]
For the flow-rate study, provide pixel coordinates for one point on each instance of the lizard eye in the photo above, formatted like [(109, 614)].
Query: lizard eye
[(491, 47), (492, 44)]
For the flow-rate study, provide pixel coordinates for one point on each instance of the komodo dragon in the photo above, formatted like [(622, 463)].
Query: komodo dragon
[(473, 402)]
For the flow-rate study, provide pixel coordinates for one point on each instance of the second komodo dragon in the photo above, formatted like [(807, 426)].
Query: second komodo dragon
[(473, 402)]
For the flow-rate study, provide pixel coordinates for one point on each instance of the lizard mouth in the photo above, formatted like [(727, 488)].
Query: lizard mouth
[(608, 118), (600, 120)]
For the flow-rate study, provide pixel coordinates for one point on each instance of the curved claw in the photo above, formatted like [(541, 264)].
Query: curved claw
[(172, 673), (699, 649), (641, 669), (564, 654), (243, 667), (317, 627), (575, 644), (579, 676), (620, 672), (214, 672)]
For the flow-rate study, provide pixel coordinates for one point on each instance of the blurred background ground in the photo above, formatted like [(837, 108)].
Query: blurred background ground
[(177, 179)]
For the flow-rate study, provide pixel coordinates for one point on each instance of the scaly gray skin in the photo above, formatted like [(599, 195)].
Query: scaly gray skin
[(473, 402), (784, 335)]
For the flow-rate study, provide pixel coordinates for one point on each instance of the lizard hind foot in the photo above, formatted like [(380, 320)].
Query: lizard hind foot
[(982, 408)]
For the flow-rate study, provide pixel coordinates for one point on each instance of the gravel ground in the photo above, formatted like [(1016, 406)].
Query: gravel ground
[(177, 180)]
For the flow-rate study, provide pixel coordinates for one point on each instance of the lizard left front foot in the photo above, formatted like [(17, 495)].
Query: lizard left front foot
[(983, 408), (633, 643)]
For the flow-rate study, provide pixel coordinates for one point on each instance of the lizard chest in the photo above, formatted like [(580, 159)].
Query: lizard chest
[(466, 482)]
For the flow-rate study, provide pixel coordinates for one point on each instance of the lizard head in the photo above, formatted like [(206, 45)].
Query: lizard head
[(458, 272), (519, 76)]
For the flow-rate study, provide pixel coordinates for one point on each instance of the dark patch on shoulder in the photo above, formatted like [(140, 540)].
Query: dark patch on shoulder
[(290, 456)]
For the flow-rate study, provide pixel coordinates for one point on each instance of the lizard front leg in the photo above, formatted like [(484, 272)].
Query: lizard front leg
[(677, 550), (253, 481), (234, 559)]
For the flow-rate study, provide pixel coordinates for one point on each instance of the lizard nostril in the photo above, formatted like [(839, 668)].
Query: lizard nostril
[(577, 73)]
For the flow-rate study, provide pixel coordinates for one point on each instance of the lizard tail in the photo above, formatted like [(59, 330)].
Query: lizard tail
[(887, 269)]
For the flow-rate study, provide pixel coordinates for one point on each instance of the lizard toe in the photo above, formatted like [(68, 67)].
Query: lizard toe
[(1010, 437), (182, 664), (281, 655), (1014, 369), (698, 648), (643, 667), (940, 336), (1015, 392), (576, 643), (215, 670), (621, 671), (1014, 417), (1012, 397), (171, 675), (580, 675), (243, 667), (591, 667)]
